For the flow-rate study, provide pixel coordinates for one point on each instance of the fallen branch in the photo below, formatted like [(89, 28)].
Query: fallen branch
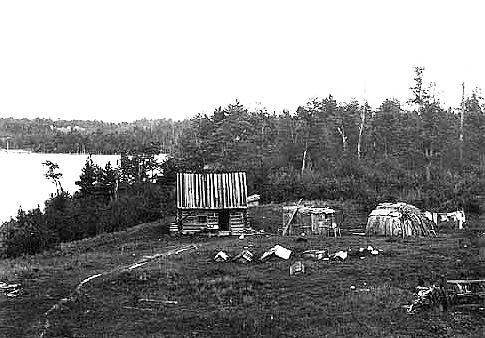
[(85, 281), (158, 301), (138, 308)]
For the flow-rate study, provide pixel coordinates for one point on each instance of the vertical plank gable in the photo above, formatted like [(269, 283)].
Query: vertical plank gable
[(224, 191), (244, 189), (235, 190), (179, 191), (211, 190), (229, 187)]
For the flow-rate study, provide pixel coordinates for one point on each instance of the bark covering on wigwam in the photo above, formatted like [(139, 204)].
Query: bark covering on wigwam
[(398, 219)]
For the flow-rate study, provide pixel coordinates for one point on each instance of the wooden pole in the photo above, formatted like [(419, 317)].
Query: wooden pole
[(286, 227)]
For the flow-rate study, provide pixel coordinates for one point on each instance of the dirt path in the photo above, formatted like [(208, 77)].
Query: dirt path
[(50, 328)]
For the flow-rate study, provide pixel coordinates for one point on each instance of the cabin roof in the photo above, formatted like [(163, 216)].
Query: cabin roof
[(211, 190)]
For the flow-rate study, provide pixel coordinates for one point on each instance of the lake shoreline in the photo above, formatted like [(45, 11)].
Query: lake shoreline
[(22, 176)]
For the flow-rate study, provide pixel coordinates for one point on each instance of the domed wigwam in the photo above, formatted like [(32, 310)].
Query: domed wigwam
[(399, 219)]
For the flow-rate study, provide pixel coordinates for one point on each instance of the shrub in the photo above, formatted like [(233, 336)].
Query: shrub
[(27, 234)]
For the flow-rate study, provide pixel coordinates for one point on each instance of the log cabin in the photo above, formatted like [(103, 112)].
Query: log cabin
[(212, 202)]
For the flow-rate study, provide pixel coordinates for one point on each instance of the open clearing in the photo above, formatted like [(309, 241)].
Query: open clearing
[(240, 300)]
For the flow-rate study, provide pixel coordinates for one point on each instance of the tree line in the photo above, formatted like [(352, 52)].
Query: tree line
[(88, 137), (429, 156)]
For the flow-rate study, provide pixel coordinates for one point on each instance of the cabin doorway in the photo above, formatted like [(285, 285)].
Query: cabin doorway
[(224, 220)]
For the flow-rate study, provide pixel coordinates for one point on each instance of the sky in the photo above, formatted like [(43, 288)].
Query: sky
[(126, 60)]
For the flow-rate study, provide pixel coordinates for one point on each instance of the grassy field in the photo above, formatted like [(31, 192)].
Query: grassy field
[(230, 299)]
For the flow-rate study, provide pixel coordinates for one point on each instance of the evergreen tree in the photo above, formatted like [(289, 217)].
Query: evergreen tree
[(108, 180), (88, 179)]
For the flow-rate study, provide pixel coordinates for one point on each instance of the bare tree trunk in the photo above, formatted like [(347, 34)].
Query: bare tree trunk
[(341, 131), (428, 172), (429, 156), (294, 136), (385, 148), (60, 189), (461, 121), (303, 162), (116, 187), (361, 131)]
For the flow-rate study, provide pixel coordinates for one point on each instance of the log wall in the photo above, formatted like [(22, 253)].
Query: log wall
[(237, 222), (191, 220)]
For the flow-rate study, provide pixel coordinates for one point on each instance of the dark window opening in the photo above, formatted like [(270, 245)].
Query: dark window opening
[(202, 219)]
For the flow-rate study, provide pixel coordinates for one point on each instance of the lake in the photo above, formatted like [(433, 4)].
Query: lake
[(23, 182)]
